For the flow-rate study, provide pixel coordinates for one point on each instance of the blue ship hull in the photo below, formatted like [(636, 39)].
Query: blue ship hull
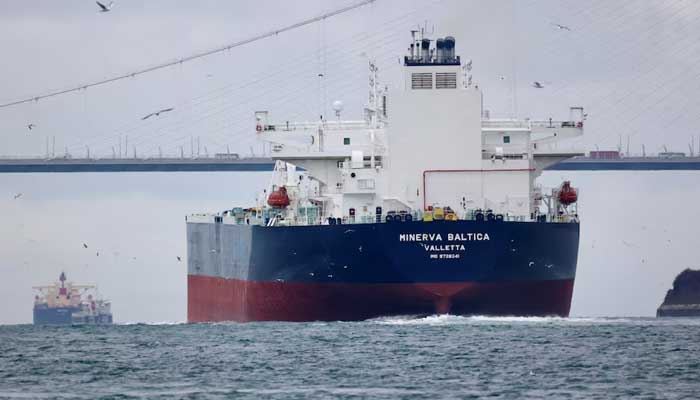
[(67, 316), (54, 316), (357, 271)]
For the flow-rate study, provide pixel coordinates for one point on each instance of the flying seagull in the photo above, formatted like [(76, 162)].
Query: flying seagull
[(85, 245), (537, 85), (31, 126), (18, 195), (178, 258), (105, 8), (562, 27), (157, 113)]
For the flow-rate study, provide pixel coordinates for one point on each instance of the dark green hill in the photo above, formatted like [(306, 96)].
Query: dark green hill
[(683, 300)]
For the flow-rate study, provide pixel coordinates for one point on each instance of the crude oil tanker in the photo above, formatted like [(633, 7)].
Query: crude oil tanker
[(425, 206), (65, 303)]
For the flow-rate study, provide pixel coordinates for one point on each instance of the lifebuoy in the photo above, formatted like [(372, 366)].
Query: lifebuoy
[(258, 128)]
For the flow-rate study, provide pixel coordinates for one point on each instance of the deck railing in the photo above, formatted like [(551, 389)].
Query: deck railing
[(470, 215)]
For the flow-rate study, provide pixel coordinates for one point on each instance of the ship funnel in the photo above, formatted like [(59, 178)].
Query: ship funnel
[(449, 48), (440, 45), (425, 50)]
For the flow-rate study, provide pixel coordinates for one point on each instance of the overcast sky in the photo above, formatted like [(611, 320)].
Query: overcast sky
[(631, 63)]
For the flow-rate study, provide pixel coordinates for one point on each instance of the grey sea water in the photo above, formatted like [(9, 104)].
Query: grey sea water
[(390, 358)]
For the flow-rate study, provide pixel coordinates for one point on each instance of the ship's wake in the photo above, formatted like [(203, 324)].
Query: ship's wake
[(151, 323), (448, 319)]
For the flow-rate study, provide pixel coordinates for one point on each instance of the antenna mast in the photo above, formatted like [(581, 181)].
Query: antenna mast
[(373, 76)]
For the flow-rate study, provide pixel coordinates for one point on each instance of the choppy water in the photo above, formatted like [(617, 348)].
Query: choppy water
[(409, 358)]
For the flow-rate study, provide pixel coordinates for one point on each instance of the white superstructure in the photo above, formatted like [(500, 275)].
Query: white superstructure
[(426, 144)]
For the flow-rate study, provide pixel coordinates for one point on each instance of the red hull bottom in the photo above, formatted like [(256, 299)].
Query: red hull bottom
[(213, 299)]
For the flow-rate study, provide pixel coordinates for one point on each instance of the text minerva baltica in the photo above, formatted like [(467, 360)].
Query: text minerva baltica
[(436, 237)]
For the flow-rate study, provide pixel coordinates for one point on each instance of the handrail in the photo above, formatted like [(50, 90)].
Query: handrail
[(314, 126), (529, 124)]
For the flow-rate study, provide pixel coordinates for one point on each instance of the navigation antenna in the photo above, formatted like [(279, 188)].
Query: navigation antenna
[(373, 83), (321, 61), (467, 71)]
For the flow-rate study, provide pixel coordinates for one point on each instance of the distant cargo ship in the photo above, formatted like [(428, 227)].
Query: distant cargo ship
[(66, 303), (425, 206)]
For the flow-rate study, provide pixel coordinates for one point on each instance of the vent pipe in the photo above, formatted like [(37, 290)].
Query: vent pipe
[(449, 48), (425, 50), (440, 45)]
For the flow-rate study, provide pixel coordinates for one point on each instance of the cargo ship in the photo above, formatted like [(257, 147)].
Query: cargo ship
[(64, 303), (426, 205)]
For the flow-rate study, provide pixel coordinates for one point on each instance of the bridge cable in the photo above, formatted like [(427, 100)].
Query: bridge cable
[(230, 46)]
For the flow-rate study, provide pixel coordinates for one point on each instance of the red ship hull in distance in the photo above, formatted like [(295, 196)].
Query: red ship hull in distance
[(212, 299)]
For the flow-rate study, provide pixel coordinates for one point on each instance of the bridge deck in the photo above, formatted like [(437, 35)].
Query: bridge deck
[(29, 165), (134, 165), (629, 164)]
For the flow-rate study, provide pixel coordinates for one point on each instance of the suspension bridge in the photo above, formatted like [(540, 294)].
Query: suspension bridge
[(258, 164), (654, 93)]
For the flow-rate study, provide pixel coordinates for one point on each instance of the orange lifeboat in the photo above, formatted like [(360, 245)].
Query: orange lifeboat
[(278, 198), (567, 194)]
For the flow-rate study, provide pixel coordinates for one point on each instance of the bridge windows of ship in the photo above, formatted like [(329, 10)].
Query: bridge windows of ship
[(506, 139), (346, 141)]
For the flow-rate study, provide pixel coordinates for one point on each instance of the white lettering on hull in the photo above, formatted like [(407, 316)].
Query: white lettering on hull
[(432, 243), (436, 237)]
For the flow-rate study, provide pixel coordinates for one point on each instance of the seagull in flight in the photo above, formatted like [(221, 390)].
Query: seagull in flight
[(157, 113), (178, 258), (18, 195), (537, 85), (105, 8), (31, 126), (85, 245), (562, 27)]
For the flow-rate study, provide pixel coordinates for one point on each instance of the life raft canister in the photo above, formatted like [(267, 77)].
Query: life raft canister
[(278, 198), (567, 194)]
